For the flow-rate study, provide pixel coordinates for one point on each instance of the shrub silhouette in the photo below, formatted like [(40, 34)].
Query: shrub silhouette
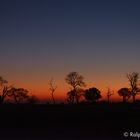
[(32, 99)]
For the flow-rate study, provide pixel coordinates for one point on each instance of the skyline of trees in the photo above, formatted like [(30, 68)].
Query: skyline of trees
[(77, 93)]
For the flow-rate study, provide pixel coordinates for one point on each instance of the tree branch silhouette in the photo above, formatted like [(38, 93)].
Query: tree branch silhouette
[(52, 88)]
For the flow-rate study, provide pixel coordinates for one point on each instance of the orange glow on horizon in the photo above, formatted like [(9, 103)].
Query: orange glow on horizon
[(43, 93), (40, 87)]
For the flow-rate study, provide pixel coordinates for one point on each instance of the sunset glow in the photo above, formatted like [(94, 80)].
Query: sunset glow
[(99, 40)]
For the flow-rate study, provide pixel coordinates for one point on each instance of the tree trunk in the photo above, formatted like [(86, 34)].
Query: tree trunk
[(1, 101), (77, 98), (15, 98), (53, 98), (134, 98), (108, 100), (124, 99)]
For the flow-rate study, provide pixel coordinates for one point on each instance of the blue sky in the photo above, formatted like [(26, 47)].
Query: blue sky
[(43, 39)]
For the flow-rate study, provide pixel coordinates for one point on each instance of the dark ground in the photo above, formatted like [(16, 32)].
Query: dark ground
[(69, 122)]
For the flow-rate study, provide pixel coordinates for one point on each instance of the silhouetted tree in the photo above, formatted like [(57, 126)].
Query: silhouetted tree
[(71, 95), (3, 94), (92, 94), (109, 94), (52, 88), (133, 81), (76, 81), (20, 95), (125, 93), (4, 89)]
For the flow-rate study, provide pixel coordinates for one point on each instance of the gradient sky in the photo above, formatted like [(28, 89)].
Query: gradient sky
[(40, 39)]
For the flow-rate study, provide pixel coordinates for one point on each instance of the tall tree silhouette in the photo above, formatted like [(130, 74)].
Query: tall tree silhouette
[(133, 81), (76, 81), (3, 89), (125, 93), (92, 94), (109, 94), (52, 88)]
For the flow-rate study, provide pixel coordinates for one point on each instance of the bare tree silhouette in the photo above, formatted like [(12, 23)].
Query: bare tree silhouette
[(52, 88), (125, 93), (109, 94), (92, 94), (4, 89), (133, 81), (75, 80)]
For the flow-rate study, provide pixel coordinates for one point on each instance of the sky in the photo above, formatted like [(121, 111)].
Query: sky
[(44, 39)]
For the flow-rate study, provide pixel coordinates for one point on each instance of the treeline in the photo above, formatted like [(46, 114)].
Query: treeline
[(77, 94), (93, 94)]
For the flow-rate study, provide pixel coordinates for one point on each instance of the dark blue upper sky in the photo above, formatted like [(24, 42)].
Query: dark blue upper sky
[(53, 37)]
